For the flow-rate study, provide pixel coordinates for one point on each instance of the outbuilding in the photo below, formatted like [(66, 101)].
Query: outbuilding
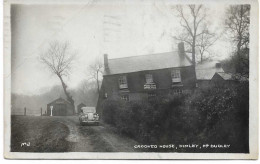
[(80, 106), (205, 72), (222, 79), (60, 107)]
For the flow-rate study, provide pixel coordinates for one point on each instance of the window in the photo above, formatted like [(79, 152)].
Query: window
[(125, 97), (149, 78), (176, 76), (151, 96), (177, 91), (122, 82)]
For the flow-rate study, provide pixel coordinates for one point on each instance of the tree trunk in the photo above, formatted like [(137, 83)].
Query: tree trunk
[(193, 51), (69, 97), (97, 83)]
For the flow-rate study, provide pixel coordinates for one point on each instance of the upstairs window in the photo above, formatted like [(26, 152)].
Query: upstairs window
[(149, 78), (122, 82), (176, 76)]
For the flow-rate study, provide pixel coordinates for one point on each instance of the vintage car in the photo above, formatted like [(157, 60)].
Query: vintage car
[(88, 115)]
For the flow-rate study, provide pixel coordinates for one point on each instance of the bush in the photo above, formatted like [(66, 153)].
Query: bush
[(223, 116), (213, 115), (147, 121)]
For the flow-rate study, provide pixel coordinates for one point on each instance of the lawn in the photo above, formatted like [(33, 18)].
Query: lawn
[(39, 133)]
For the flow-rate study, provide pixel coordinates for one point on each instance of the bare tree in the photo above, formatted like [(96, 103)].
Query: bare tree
[(192, 20), (237, 24), (203, 44), (95, 71), (58, 58)]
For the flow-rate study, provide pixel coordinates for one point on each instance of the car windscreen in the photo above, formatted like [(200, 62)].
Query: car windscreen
[(88, 109)]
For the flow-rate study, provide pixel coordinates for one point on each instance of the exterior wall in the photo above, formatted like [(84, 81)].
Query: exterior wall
[(204, 83), (136, 82), (218, 81)]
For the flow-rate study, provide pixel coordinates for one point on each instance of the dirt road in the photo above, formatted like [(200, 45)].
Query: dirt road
[(65, 134)]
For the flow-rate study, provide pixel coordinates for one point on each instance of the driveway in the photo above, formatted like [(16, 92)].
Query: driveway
[(65, 134)]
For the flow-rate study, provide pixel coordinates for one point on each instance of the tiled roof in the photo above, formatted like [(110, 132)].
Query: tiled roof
[(207, 70), (147, 62), (225, 76)]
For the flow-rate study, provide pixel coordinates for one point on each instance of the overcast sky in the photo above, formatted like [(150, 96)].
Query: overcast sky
[(118, 29)]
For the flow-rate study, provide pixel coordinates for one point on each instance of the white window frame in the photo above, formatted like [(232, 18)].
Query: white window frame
[(151, 95), (122, 82), (125, 97), (149, 78), (177, 91), (176, 76)]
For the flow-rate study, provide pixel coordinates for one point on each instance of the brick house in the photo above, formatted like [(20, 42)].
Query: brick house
[(146, 76)]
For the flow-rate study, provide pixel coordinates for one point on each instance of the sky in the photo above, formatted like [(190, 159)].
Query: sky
[(118, 28)]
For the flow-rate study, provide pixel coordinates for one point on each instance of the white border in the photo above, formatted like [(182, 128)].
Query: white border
[(253, 111)]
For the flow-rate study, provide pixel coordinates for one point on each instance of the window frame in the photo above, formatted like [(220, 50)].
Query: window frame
[(149, 78), (151, 96), (176, 76), (178, 91), (122, 82), (124, 97)]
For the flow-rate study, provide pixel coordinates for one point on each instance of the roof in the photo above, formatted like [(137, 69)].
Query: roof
[(82, 104), (206, 70), (230, 76), (59, 101), (147, 62), (225, 76)]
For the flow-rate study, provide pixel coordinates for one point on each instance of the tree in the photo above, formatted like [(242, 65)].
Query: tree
[(203, 44), (192, 21), (237, 24), (95, 70), (58, 58), (86, 92)]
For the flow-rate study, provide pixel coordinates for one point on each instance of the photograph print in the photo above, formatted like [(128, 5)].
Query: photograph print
[(137, 78)]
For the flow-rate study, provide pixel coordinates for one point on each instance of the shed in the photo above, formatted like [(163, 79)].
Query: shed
[(221, 79), (80, 106), (205, 71), (61, 107)]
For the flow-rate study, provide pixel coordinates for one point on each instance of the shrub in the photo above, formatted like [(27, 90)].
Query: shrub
[(213, 115), (223, 116)]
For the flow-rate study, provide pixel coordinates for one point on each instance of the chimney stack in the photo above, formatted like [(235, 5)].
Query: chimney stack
[(181, 49), (106, 63), (218, 65)]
